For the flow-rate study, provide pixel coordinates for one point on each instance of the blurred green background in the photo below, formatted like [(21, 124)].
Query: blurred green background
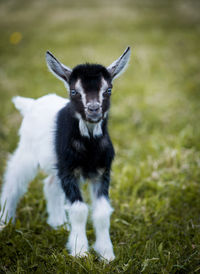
[(154, 124)]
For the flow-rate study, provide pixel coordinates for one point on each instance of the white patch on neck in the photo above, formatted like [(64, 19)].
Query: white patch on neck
[(95, 128), (82, 126), (85, 128)]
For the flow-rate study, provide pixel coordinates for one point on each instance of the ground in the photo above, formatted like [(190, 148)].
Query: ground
[(154, 125)]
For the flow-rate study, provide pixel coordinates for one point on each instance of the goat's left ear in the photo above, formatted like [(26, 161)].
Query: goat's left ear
[(119, 66), (59, 70)]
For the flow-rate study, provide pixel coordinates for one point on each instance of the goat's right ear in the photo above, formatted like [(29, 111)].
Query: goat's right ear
[(118, 66), (59, 70)]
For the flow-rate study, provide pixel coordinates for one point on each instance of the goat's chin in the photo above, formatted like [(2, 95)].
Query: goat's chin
[(93, 119)]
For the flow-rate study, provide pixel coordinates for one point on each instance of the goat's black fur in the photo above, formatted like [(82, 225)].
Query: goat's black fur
[(90, 76), (77, 152)]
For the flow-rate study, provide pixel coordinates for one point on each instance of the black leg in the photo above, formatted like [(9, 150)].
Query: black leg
[(71, 187), (101, 186)]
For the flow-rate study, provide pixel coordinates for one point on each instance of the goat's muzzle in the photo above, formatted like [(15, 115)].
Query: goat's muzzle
[(93, 112)]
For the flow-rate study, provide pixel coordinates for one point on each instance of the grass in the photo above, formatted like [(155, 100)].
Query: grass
[(154, 124)]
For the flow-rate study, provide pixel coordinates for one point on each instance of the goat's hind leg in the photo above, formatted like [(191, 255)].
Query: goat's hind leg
[(21, 169), (55, 198)]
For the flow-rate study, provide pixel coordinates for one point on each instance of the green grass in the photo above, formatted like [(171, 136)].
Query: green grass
[(154, 124)]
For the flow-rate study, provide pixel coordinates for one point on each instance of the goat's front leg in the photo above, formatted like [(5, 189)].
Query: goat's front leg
[(77, 212), (101, 219)]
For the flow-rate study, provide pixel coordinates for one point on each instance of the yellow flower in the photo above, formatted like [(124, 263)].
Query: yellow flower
[(15, 38)]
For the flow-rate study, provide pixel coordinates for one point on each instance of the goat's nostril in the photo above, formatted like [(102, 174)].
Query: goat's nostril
[(94, 108)]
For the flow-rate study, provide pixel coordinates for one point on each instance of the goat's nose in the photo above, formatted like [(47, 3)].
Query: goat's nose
[(94, 107)]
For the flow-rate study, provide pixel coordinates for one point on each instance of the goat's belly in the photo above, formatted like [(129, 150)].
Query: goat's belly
[(47, 157)]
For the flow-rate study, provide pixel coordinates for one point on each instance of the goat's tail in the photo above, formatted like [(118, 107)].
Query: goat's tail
[(23, 104)]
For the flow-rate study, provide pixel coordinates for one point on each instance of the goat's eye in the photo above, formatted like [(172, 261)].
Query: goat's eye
[(108, 91), (73, 92)]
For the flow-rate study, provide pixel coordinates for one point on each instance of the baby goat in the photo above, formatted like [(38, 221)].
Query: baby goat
[(69, 140)]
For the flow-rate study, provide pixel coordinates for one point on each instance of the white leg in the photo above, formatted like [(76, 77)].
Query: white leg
[(21, 169), (101, 221), (55, 198), (77, 242)]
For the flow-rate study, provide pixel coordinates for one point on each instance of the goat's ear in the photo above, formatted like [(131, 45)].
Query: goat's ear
[(59, 70), (119, 66)]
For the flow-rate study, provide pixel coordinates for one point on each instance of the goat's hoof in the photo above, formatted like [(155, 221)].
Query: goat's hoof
[(107, 257), (106, 253), (81, 254), (78, 248)]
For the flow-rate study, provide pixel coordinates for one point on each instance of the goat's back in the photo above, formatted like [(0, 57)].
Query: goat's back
[(38, 127)]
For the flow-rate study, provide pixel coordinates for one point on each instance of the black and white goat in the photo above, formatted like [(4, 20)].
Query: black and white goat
[(69, 140)]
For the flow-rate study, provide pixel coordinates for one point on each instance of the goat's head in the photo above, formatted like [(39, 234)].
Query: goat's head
[(89, 85)]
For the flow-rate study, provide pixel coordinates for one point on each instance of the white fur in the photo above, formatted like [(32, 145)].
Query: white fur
[(35, 149), (104, 86), (77, 242), (79, 88), (55, 197), (21, 169), (24, 105), (95, 128), (82, 126), (101, 221)]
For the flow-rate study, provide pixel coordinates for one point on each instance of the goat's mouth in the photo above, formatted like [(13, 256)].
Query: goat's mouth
[(93, 118)]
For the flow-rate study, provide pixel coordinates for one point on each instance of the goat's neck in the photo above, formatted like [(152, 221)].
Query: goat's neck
[(87, 129)]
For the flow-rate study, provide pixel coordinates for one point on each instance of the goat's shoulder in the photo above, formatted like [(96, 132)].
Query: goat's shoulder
[(66, 128)]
